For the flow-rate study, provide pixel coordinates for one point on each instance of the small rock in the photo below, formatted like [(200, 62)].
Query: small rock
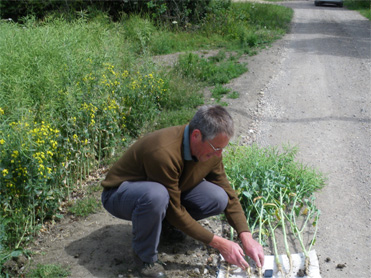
[(340, 266), (300, 273), (209, 260)]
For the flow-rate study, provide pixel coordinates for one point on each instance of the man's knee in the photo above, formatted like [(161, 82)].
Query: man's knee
[(155, 198), (221, 199)]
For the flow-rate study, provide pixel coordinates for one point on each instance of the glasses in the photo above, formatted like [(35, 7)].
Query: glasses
[(215, 149)]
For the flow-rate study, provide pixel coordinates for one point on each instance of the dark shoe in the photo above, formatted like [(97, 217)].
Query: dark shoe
[(170, 233), (149, 269)]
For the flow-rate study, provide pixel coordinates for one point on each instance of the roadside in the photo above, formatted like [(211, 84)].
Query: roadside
[(285, 96)]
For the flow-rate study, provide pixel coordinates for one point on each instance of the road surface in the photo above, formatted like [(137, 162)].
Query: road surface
[(319, 99)]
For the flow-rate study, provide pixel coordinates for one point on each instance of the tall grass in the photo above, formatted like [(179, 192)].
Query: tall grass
[(73, 90)]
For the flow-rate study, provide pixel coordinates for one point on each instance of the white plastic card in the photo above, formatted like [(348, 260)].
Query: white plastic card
[(298, 260)]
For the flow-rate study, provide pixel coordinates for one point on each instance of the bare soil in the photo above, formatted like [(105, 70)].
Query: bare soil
[(310, 89)]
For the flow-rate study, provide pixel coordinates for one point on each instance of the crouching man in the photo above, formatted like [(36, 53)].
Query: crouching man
[(176, 175)]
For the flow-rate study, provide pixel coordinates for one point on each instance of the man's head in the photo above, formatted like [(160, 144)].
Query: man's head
[(210, 131)]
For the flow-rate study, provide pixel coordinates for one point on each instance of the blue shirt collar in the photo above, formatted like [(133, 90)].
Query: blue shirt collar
[(186, 145)]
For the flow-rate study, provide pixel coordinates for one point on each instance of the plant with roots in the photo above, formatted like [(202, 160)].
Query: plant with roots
[(272, 189), (281, 207), (310, 212)]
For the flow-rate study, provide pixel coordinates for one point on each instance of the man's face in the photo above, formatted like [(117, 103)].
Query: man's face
[(204, 150)]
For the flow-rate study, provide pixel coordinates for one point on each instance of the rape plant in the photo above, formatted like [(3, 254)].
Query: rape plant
[(30, 174), (40, 163), (273, 187)]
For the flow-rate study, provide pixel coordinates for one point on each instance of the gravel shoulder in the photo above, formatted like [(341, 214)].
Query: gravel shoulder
[(320, 101)]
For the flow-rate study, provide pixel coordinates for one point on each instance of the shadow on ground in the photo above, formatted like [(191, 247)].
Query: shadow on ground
[(107, 252), (104, 252)]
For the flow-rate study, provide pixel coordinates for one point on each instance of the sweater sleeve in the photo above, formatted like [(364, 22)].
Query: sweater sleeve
[(234, 212)]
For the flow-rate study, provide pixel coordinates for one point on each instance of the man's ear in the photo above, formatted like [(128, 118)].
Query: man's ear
[(196, 134)]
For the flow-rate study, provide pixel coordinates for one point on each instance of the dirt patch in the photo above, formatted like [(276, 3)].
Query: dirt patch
[(100, 246)]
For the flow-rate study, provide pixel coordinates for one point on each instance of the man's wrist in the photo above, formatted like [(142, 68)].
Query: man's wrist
[(215, 242), (245, 236)]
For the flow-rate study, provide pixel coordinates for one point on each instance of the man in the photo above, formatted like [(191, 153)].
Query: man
[(177, 173)]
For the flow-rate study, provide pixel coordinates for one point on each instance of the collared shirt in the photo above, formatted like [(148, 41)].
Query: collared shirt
[(186, 145)]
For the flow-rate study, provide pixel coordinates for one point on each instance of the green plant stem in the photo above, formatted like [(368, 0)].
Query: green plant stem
[(283, 224), (315, 231), (229, 265), (298, 232), (273, 236), (25, 230)]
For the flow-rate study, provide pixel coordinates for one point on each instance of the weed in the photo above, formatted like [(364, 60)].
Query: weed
[(219, 91), (234, 95), (49, 271), (191, 65), (85, 206)]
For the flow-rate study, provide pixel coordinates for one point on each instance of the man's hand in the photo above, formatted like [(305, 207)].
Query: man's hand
[(230, 251), (252, 248)]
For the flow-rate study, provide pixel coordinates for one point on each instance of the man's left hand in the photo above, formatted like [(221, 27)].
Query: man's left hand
[(252, 248)]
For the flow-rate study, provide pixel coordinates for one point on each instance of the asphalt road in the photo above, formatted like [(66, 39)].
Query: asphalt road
[(320, 100)]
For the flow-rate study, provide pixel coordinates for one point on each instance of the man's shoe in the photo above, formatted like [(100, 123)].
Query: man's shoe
[(152, 270), (170, 233), (149, 269)]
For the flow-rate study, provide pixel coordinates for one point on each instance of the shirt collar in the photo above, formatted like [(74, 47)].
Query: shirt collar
[(186, 145)]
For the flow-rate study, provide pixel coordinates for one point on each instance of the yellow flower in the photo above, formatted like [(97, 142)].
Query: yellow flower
[(1, 111), (2, 141), (5, 172)]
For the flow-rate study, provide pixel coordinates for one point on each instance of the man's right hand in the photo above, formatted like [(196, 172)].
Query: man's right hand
[(231, 251)]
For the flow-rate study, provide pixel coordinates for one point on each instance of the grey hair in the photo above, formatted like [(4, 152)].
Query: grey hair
[(212, 120)]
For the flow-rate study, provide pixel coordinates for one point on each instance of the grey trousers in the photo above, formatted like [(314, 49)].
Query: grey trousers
[(145, 203)]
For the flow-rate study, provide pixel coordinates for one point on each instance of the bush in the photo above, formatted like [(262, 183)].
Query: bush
[(182, 11)]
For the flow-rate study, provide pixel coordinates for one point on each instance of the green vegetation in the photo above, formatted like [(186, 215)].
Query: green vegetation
[(49, 271), (275, 192), (191, 65), (84, 207), (362, 6), (75, 88)]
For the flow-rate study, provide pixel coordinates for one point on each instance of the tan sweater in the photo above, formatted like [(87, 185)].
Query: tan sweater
[(159, 157)]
